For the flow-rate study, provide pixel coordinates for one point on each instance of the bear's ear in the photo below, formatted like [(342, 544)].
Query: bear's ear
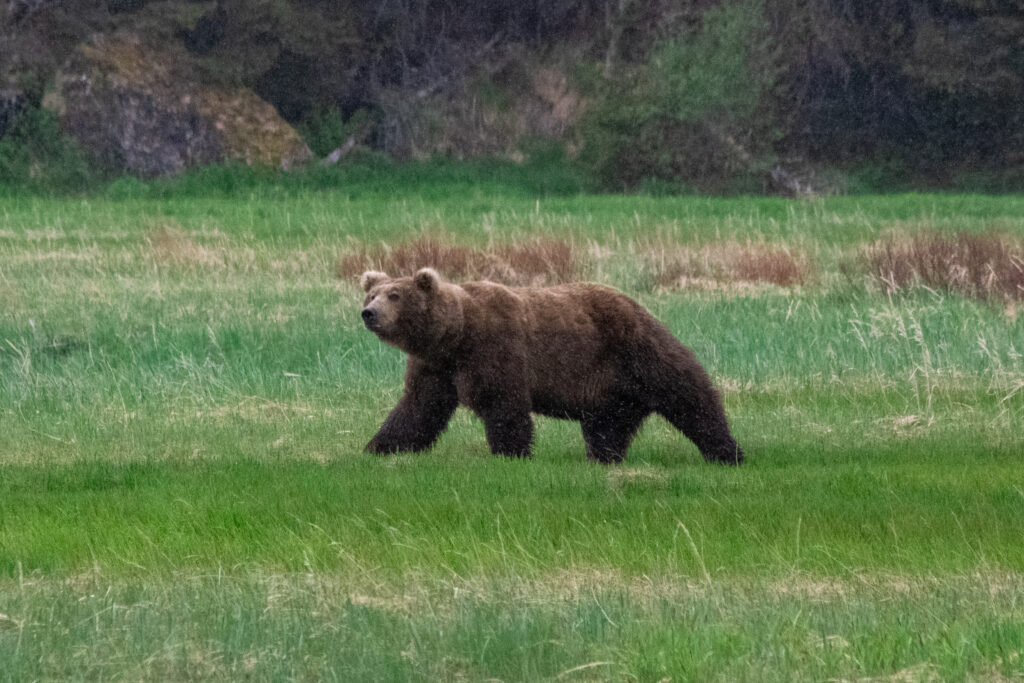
[(427, 279), (371, 279)]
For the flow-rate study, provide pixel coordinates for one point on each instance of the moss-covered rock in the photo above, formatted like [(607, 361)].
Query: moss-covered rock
[(146, 111)]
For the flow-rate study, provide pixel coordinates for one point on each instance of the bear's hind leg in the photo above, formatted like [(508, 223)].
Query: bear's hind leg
[(608, 432), (683, 394), (702, 419)]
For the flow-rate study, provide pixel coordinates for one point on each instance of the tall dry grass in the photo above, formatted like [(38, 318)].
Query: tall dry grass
[(981, 265), (724, 264), (539, 261)]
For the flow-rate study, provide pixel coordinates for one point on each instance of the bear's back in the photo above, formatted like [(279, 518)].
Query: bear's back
[(580, 340)]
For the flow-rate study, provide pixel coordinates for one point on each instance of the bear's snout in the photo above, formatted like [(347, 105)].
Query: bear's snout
[(369, 317)]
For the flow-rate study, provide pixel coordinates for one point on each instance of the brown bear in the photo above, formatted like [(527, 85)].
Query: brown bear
[(577, 351)]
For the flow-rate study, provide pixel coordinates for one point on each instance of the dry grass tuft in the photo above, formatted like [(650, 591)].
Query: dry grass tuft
[(986, 265), (919, 673), (729, 265), (642, 475), (170, 244), (541, 261)]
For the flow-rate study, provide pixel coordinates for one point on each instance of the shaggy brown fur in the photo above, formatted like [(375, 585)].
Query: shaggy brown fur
[(577, 351)]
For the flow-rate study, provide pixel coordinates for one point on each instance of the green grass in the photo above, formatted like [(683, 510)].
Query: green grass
[(183, 492)]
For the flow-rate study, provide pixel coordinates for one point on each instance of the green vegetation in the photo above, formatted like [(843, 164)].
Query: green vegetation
[(683, 117), (369, 175), (185, 390), (36, 157)]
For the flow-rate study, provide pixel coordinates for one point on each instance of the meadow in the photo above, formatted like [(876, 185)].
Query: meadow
[(186, 389)]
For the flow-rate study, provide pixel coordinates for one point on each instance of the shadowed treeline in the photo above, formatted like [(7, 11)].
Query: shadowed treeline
[(725, 96)]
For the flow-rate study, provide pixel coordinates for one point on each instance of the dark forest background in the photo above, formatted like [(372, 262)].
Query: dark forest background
[(712, 95)]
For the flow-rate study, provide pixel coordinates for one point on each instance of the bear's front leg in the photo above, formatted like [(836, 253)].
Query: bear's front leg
[(494, 386), (422, 413), (509, 431)]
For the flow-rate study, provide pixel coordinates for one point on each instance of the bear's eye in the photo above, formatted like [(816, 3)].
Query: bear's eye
[(392, 297)]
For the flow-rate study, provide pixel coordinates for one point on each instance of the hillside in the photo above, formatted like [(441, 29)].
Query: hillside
[(716, 96)]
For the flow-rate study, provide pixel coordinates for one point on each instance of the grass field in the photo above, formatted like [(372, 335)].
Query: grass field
[(185, 391)]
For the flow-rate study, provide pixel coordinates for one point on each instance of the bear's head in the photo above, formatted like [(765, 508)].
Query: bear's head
[(421, 315)]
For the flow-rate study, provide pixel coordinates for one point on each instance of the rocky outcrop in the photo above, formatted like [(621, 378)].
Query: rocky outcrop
[(147, 112)]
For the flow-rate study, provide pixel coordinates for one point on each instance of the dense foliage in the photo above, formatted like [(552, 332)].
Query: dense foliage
[(712, 94)]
